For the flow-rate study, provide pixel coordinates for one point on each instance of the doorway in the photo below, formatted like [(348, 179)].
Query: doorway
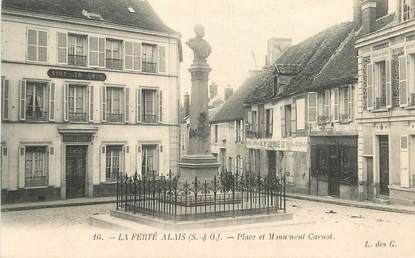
[(75, 171), (272, 163), (333, 175), (384, 164), (369, 182)]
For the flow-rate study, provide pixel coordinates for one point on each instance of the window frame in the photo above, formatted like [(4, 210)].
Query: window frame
[(46, 164), (86, 48), (121, 161), (86, 98)]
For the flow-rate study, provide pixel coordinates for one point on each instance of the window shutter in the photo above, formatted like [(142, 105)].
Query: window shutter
[(160, 106), (404, 164), (22, 159), (127, 104), (104, 104), (65, 101), (138, 108), (327, 111), (403, 88), (369, 87), (5, 96), (336, 100), (294, 118), (128, 59), (350, 114), (101, 52), (312, 107), (22, 100), (283, 132), (62, 48), (91, 103), (139, 159), (42, 46), (32, 42), (103, 163), (93, 51), (51, 102), (137, 56), (388, 83), (162, 59)]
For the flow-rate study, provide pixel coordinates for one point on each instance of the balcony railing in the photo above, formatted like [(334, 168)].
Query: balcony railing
[(36, 116), (35, 181), (254, 134), (150, 118), (114, 63), (149, 67), (77, 117), (380, 102), (77, 60), (412, 99), (114, 117)]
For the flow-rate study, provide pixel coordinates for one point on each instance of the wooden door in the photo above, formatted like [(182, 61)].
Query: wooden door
[(384, 164), (75, 171)]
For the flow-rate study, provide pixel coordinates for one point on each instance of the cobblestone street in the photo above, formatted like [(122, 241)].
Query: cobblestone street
[(352, 226)]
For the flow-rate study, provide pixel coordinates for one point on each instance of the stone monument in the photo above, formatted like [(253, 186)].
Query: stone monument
[(198, 161)]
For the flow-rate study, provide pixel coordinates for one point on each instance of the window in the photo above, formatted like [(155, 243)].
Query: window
[(149, 160), (37, 45), (113, 50), (268, 123), (149, 106), (36, 166), (36, 101), (149, 58), (132, 56), (275, 85), (77, 49), (411, 82), (113, 162), (77, 103), (254, 122), (114, 104), (229, 165), (380, 86), (300, 114), (407, 9), (4, 99)]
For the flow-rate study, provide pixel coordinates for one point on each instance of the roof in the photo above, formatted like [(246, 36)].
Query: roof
[(113, 11), (232, 109), (326, 59)]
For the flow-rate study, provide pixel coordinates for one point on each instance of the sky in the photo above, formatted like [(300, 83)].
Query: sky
[(238, 30)]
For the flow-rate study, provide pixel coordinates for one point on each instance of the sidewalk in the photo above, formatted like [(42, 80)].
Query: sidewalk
[(102, 200), (57, 203), (357, 204)]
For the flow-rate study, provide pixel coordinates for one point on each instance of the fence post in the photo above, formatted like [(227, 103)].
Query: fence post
[(126, 192), (117, 198), (214, 194), (285, 174), (195, 195)]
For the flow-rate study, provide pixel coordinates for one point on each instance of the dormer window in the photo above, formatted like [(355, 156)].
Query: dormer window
[(408, 9)]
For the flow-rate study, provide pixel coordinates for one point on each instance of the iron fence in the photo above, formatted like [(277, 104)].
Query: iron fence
[(227, 195)]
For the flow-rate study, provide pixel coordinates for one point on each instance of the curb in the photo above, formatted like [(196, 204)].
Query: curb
[(55, 205), (355, 205)]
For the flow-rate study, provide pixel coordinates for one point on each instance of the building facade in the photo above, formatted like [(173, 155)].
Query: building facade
[(386, 103), (301, 120), (88, 93)]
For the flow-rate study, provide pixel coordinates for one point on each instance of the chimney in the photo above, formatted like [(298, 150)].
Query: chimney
[(368, 16), (357, 14), (372, 10), (213, 90), (186, 104), (228, 92)]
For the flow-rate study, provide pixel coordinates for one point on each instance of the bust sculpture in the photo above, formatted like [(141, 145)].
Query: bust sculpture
[(201, 48)]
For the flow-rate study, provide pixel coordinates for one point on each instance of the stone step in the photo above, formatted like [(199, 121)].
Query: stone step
[(381, 200)]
